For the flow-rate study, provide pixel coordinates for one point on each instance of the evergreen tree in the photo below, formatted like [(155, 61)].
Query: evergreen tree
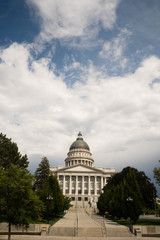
[(67, 203), (9, 154), (42, 173), (147, 189), (124, 196), (19, 205), (52, 197)]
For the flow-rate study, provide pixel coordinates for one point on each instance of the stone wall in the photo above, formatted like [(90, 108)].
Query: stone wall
[(146, 231)]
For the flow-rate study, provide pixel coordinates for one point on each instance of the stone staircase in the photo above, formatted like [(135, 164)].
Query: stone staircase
[(76, 223), (90, 232), (81, 223)]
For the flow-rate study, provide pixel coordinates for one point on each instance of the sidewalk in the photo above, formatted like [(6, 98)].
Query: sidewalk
[(24, 237), (77, 225)]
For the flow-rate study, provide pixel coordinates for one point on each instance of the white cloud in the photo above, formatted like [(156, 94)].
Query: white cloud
[(68, 19), (114, 49), (119, 116)]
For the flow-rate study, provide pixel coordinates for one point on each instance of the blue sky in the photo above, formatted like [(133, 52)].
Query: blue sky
[(90, 66)]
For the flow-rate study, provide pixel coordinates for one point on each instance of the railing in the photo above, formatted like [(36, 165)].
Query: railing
[(98, 220), (76, 225)]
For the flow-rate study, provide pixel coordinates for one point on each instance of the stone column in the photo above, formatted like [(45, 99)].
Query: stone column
[(89, 184), (64, 184), (105, 181), (70, 184), (76, 185), (82, 185), (101, 183), (95, 185)]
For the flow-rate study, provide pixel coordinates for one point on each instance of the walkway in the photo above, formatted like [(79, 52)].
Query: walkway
[(78, 225)]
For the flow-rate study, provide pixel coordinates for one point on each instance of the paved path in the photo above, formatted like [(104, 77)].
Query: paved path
[(77, 223), (24, 237), (80, 226)]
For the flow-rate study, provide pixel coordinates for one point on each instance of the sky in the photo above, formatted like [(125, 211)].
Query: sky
[(89, 66)]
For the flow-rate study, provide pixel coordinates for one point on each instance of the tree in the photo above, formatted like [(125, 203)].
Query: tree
[(156, 172), (147, 189), (42, 173), (19, 205), (126, 194), (9, 154), (52, 197), (67, 203)]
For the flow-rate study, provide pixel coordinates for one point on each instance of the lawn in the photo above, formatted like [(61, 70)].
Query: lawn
[(142, 222), (51, 222)]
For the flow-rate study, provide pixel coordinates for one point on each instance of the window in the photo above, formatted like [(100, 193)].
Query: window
[(67, 178), (86, 179), (60, 178), (86, 199), (92, 184), (98, 191), (79, 178), (92, 179), (67, 191), (79, 191), (73, 178), (98, 179), (79, 198), (67, 184), (73, 191), (92, 191), (85, 191), (73, 198), (79, 184)]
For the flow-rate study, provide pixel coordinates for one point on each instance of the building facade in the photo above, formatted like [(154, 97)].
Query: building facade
[(79, 179)]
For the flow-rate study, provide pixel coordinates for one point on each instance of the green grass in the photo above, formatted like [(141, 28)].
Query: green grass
[(142, 222), (46, 221), (145, 222)]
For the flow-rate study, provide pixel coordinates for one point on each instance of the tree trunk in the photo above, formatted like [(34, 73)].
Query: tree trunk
[(9, 231)]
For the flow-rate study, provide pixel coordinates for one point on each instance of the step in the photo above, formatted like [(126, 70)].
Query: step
[(90, 232)]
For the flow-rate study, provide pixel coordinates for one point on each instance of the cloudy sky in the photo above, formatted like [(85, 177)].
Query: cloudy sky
[(89, 66)]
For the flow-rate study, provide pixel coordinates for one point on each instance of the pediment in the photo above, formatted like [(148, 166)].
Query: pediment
[(79, 168)]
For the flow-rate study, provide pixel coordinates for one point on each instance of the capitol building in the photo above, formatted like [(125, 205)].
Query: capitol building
[(79, 179)]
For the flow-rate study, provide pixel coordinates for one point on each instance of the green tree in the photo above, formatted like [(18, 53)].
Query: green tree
[(9, 154), (42, 173), (147, 189), (125, 196), (19, 205), (67, 203), (156, 172), (52, 197)]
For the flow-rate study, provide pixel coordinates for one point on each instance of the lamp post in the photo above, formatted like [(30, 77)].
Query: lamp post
[(130, 199), (50, 199)]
